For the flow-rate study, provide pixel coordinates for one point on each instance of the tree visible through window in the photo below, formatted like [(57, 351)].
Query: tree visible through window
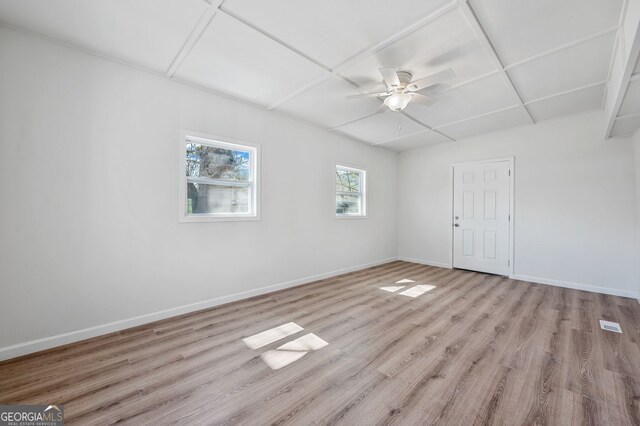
[(350, 191), (219, 179)]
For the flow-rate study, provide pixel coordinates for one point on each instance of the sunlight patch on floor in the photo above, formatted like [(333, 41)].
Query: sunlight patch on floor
[(405, 281), (272, 335), (417, 290), (292, 351)]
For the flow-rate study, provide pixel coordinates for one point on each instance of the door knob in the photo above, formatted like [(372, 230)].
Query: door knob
[(456, 225)]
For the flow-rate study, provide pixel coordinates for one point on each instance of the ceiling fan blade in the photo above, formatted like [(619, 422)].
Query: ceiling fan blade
[(430, 80), (368, 95), (433, 89), (423, 100), (390, 76)]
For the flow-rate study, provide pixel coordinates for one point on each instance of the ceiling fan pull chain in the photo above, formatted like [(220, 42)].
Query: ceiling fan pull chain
[(399, 125)]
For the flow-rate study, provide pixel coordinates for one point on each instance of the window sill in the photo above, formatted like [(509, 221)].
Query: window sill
[(204, 219), (346, 216)]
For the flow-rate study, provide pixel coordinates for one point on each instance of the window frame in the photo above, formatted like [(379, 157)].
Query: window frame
[(224, 143), (363, 191)]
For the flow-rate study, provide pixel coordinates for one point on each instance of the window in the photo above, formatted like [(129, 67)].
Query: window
[(218, 180), (350, 192)]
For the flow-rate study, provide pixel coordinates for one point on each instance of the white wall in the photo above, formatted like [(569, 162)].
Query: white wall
[(575, 211), (636, 162), (89, 189)]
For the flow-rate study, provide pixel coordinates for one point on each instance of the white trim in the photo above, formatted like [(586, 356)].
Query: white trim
[(576, 286), (363, 191), (37, 345), (545, 281), (194, 36), (482, 37), (425, 262), (512, 215), (255, 152)]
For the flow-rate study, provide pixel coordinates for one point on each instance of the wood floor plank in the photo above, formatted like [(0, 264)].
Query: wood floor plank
[(475, 349)]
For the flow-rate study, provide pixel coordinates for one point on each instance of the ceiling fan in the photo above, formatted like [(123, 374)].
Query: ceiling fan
[(401, 89)]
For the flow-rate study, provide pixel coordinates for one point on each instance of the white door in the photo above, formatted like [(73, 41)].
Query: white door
[(481, 215)]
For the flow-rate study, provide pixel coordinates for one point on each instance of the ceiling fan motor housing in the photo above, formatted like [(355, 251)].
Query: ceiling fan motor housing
[(404, 77)]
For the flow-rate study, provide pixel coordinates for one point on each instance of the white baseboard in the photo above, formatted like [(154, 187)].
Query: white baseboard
[(425, 262), (37, 345), (546, 281), (576, 286)]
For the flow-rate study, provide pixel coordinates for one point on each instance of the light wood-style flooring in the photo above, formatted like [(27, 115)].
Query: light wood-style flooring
[(477, 349)]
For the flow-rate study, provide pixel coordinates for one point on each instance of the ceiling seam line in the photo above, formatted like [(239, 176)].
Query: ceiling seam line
[(299, 91), (275, 39), (402, 137), (415, 120), (442, 126), (409, 116), (313, 84), (483, 38), (561, 48), (352, 121), (196, 33), (469, 81), (566, 92), (451, 139)]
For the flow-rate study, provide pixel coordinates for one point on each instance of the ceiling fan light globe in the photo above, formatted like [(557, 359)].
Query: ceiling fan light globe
[(398, 101)]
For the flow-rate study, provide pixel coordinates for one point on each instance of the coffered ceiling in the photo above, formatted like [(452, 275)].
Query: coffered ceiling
[(517, 62)]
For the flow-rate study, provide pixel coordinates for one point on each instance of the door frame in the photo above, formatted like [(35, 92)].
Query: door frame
[(511, 161)]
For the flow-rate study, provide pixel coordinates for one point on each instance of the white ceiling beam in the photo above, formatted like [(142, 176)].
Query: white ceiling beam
[(194, 36), (480, 33), (619, 90)]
